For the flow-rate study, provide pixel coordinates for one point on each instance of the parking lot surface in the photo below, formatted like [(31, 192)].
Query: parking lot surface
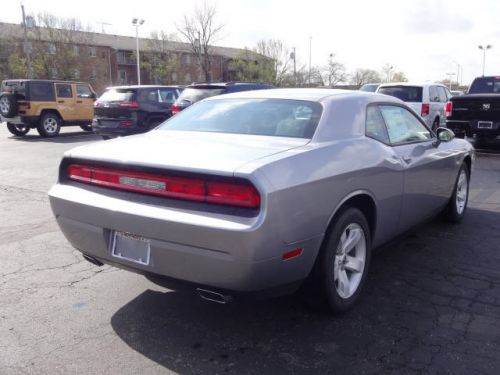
[(431, 304)]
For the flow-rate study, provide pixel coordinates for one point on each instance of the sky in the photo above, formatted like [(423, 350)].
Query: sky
[(425, 39)]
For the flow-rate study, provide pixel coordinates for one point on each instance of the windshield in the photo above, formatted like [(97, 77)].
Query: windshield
[(485, 85), (117, 95), (274, 117), (193, 95), (405, 93)]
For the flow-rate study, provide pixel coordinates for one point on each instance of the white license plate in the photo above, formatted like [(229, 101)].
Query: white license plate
[(484, 124), (131, 247)]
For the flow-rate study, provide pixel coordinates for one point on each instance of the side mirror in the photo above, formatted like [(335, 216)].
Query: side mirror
[(444, 134)]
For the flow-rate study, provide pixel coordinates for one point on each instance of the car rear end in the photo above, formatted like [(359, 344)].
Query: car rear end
[(413, 95), (117, 112)]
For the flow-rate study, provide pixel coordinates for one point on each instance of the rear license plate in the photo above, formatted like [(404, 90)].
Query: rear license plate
[(131, 247), (484, 124)]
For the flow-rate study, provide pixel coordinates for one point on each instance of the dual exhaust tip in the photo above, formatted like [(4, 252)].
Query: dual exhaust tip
[(210, 295)]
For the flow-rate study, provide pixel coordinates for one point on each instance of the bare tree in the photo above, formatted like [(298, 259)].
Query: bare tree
[(363, 76), (334, 72), (201, 30)]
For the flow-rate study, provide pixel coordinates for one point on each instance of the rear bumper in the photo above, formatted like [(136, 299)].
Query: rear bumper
[(474, 127), (223, 252)]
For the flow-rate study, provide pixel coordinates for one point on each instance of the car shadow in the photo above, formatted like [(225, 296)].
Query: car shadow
[(415, 286), (66, 137)]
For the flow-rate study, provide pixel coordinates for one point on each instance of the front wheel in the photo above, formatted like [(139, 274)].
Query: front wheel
[(341, 269), (455, 211), (18, 130), (49, 126)]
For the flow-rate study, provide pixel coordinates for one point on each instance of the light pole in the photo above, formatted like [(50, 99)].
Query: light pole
[(484, 48), (137, 22), (310, 51)]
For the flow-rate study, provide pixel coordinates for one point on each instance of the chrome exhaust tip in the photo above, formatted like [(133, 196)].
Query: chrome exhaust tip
[(210, 295)]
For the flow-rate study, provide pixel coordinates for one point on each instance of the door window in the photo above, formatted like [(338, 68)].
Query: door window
[(64, 91), (402, 126), (83, 91), (375, 125)]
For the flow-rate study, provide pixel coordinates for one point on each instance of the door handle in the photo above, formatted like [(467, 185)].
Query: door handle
[(60, 101), (406, 159)]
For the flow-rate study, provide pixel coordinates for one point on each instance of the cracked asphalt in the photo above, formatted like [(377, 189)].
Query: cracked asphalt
[(431, 304)]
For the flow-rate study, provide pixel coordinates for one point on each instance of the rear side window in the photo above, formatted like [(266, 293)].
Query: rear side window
[(485, 85), (118, 95), (64, 91), (375, 125), (41, 91), (405, 93), (192, 94), (273, 117)]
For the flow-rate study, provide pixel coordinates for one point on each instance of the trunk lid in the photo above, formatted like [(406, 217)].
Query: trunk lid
[(212, 153)]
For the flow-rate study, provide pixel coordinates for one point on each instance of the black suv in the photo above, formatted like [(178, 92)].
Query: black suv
[(198, 91), (125, 110)]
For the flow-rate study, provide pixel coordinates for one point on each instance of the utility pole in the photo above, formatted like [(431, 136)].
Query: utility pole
[(27, 47)]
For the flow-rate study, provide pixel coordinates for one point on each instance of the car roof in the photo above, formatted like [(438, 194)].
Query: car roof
[(308, 94)]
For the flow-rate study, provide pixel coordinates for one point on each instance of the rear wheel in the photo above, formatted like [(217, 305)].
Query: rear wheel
[(342, 265), (455, 211), (19, 130), (49, 126)]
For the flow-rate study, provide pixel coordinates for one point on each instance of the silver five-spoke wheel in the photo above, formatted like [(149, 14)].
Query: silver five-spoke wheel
[(349, 262)]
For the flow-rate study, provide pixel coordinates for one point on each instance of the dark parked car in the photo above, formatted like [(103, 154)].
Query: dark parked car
[(126, 110), (198, 91), (478, 111)]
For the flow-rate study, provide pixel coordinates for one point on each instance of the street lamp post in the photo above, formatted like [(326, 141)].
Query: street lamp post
[(137, 22), (484, 48)]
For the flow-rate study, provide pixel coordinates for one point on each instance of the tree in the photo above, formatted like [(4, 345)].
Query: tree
[(201, 30), (364, 76), (158, 60), (334, 72)]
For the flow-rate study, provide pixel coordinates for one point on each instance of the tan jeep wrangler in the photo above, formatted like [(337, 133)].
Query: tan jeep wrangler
[(45, 105)]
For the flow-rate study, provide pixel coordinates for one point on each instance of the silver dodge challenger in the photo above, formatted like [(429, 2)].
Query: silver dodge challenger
[(262, 193)]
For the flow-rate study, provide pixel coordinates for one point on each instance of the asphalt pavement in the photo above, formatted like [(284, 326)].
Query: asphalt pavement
[(431, 303)]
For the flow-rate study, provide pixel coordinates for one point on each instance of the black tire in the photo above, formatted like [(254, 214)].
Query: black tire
[(8, 105), (453, 211), (18, 130), (86, 128), (435, 124), (49, 126), (321, 290)]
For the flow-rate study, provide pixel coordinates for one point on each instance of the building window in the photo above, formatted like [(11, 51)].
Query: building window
[(93, 74), (53, 73), (174, 77), (122, 76), (92, 52), (187, 78), (75, 73), (76, 50), (52, 48)]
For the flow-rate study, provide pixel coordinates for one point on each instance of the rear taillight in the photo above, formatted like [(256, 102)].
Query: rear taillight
[(129, 104), (425, 109), (242, 194), (448, 109), (175, 109)]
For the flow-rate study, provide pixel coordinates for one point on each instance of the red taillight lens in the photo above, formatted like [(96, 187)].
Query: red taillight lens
[(175, 109), (129, 104), (425, 109), (449, 108), (233, 194), (195, 189)]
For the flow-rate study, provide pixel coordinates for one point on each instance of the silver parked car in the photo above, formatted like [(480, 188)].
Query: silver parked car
[(428, 100), (260, 191)]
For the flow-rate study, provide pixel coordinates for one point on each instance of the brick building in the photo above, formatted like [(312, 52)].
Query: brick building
[(105, 60)]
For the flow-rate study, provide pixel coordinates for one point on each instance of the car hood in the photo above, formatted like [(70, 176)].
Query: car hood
[(187, 151)]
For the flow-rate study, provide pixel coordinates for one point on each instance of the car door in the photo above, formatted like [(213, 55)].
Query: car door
[(66, 101), (428, 165), (84, 102)]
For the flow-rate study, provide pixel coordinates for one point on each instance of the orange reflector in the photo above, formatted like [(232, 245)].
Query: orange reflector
[(292, 254)]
